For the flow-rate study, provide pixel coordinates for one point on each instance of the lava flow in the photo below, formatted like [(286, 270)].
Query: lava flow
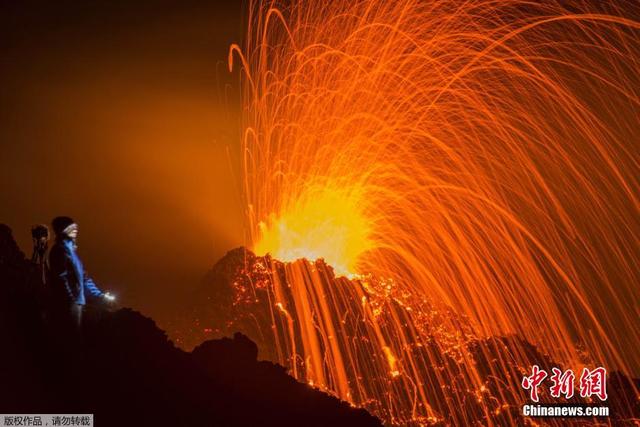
[(469, 168)]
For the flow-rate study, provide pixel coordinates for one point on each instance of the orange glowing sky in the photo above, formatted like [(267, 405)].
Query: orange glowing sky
[(124, 117)]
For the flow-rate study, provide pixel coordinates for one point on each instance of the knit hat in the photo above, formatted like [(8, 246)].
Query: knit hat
[(60, 223)]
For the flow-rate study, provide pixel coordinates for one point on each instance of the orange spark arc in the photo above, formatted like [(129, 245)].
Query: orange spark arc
[(479, 157)]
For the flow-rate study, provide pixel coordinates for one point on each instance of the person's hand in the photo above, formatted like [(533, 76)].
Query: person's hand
[(109, 297)]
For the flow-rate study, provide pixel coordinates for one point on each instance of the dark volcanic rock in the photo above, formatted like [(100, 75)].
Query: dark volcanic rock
[(237, 295), (266, 384), (127, 372)]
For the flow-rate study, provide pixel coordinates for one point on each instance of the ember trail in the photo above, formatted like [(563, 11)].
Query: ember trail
[(469, 166)]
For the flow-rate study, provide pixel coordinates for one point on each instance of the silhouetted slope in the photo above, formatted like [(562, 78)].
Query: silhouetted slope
[(234, 296), (129, 373)]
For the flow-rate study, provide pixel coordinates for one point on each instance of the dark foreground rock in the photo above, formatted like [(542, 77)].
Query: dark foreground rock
[(127, 372), (237, 295)]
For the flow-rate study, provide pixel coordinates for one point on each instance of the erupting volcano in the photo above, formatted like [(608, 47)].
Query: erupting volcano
[(468, 170)]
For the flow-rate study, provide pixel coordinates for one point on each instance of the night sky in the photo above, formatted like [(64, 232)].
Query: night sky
[(124, 116)]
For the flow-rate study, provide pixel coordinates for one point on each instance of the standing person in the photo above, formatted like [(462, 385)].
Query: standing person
[(40, 236), (69, 284), (37, 289)]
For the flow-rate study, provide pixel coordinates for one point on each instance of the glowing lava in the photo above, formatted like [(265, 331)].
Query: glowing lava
[(479, 157), (324, 224)]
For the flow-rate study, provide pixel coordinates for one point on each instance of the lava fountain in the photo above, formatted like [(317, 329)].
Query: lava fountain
[(471, 166)]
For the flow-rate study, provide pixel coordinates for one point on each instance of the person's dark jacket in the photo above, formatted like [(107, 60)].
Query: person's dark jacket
[(68, 280)]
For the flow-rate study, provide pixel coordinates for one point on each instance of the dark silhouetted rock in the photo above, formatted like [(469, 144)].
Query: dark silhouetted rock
[(237, 295), (127, 372)]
